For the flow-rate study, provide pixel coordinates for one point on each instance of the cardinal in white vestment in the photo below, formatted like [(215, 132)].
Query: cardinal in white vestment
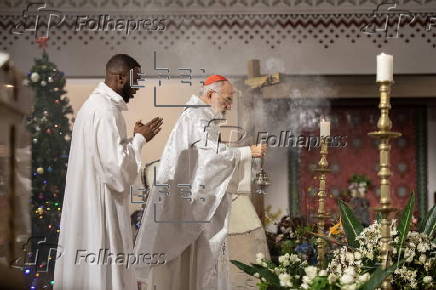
[(187, 213), (95, 234)]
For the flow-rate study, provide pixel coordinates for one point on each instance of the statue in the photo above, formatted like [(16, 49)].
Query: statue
[(358, 187)]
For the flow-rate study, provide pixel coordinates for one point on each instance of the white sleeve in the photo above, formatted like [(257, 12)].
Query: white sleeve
[(244, 170), (137, 142), (117, 158)]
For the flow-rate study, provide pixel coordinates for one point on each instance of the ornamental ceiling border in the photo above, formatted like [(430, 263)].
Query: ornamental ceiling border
[(272, 29), (218, 6)]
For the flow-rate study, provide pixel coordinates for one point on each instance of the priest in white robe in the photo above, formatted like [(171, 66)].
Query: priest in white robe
[(187, 213), (95, 231)]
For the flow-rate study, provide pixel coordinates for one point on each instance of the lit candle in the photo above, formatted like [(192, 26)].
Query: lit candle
[(385, 67), (324, 128)]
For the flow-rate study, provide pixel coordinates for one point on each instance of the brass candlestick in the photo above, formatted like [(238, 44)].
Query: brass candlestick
[(322, 214), (384, 134)]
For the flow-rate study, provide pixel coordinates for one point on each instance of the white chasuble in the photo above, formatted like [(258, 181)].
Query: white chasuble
[(95, 233), (187, 213)]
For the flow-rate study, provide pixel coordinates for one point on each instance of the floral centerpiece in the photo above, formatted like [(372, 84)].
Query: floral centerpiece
[(351, 267), (356, 264), (293, 236)]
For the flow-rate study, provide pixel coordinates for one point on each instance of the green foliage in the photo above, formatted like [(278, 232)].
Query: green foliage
[(270, 277), (404, 223), (321, 283), (250, 270), (262, 286), (351, 225), (378, 276), (300, 234), (287, 246), (428, 225), (352, 228)]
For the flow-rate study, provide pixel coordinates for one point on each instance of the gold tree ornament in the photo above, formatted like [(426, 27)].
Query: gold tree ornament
[(40, 211)]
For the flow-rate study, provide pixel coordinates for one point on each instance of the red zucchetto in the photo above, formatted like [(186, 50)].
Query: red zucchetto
[(213, 79)]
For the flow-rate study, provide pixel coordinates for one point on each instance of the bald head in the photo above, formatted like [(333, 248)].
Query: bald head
[(120, 64)]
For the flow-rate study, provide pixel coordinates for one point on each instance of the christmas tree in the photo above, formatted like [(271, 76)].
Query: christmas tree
[(50, 127)]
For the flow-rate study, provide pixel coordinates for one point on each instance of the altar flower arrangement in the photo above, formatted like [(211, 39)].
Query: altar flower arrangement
[(356, 265), (350, 267), (286, 274), (293, 235)]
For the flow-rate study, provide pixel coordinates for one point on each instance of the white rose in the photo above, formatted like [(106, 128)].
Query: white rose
[(413, 284), (422, 258), (349, 257), (284, 279), (346, 279), (365, 277), (421, 247), (332, 278), (427, 279), (349, 287), (322, 273), (350, 271), (294, 258), (259, 258), (43, 83), (357, 255), (311, 271), (34, 77), (264, 264), (256, 275)]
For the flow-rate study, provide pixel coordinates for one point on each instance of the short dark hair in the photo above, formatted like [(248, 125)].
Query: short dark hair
[(121, 63)]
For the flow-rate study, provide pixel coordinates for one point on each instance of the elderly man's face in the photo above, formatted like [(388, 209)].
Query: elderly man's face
[(223, 100)]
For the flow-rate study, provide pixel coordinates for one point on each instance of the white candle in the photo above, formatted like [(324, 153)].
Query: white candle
[(324, 128), (385, 67)]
